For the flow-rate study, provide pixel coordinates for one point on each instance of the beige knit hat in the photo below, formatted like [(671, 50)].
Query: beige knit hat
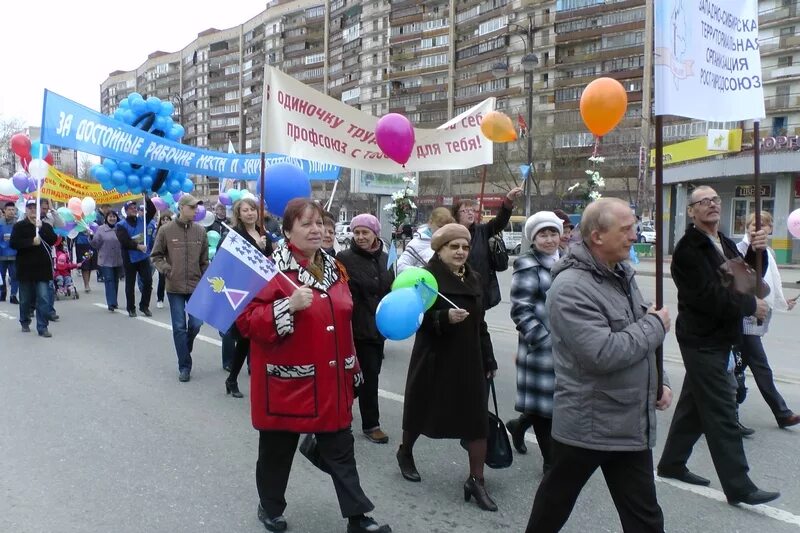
[(447, 233)]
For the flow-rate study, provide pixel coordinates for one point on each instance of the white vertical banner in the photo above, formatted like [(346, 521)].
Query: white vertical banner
[(707, 62)]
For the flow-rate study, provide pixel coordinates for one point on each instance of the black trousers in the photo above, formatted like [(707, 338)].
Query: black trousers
[(275, 454), (707, 405), (161, 287), (542, 428), (241, 350), (754, 356), (142, 268), (629, 476), (370, 358)]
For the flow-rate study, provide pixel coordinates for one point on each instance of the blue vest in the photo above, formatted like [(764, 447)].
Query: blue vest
[(5, 246), (134, 256)]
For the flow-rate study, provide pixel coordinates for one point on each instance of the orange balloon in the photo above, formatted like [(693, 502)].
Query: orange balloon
[(498, 128), (603, 105)]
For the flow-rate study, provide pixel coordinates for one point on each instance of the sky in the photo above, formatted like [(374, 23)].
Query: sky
[(71, 47)]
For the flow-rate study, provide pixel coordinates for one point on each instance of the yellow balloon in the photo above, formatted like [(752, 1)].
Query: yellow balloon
[(498, 128)]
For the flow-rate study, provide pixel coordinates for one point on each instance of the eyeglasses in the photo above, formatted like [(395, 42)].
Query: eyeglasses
[(706, 202), (456, 247)]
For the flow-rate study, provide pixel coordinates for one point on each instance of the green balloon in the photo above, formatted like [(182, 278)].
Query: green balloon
[(213, 238), (420, 279)]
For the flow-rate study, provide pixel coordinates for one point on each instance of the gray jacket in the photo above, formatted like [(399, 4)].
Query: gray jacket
[(604, 355)]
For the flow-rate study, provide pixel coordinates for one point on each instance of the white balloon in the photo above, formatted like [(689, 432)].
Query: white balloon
[(37, 168), (248, 194), (88, 205), (208, 219), (7, 187)]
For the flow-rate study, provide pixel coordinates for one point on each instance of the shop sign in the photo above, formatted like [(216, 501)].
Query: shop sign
[(781, 143), (749, 191)]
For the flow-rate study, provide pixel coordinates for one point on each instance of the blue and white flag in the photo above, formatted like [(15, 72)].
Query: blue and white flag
[(235, 276), (392, 256), (525, 170)]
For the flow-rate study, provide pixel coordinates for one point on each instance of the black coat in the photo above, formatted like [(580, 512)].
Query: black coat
[(34, 262), (709, 314), (446, 393), (479, 254), (370, 280)]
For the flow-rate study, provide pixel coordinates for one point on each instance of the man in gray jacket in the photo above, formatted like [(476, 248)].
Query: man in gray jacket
[(604, 341)]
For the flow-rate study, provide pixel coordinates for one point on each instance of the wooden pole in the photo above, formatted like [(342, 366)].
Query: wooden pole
[(757, 198), (483, 185), (659, 221)]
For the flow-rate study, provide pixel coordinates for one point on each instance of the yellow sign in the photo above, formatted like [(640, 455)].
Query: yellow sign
[(61, 187), (698, 148)]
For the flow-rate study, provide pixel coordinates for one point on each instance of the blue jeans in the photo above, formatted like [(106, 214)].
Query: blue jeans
[(183, 333), (111, 277), (34, 294), (11, 286), (51, 299)]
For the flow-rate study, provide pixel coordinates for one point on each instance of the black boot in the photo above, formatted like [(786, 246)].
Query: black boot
[(475, 488), (407, 466), (744, 430), (232, 388), (517, 430)]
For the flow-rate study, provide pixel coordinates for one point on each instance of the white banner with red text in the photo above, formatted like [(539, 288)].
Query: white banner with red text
[(299, 121)]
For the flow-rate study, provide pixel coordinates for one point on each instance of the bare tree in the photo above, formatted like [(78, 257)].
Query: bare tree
[(84, 165), (8, 127)]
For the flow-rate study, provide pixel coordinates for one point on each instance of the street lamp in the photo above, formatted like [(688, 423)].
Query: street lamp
[(529, 63), (177, 99)]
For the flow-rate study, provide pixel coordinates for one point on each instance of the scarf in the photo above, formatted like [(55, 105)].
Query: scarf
[(314, 266)]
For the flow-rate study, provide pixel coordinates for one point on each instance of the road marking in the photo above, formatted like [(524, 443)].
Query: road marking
[(6, 315), (712, 494)]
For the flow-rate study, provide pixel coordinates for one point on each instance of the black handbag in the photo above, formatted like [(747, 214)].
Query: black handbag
[(310, 450), (498, 255), (498, 446)]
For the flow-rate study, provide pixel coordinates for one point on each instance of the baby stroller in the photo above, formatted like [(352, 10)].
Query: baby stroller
[(62, 274)]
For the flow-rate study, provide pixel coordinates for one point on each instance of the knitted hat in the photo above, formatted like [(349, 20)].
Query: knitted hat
[(447, 233), (541, 220), (365, 220)]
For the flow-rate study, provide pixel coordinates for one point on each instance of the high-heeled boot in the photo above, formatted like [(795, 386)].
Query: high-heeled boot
[(475, 488), (232, 388), (407, 467)]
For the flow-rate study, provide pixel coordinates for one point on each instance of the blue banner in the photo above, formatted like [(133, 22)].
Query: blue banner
[(70, 125)]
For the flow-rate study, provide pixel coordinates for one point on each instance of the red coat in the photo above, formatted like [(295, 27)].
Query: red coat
[(303, 365)]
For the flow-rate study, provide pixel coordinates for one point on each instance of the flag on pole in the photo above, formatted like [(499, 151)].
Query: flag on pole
[(227, 183), (392, 256), (523, 126), (235, 276), (707, 61), (525, 170)]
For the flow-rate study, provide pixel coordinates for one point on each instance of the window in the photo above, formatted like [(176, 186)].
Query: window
[(315, 58), (348, 34), (785, 61), (778, 126), (492, 25), (742, 207), (787, 31)]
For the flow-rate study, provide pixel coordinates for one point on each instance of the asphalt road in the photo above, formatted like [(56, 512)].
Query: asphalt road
[(97, 435)]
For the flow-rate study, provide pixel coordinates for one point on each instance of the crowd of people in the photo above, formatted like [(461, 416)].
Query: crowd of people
[(587, 375)]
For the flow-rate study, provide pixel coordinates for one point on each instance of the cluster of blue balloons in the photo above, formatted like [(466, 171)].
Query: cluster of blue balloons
[(154, 116)]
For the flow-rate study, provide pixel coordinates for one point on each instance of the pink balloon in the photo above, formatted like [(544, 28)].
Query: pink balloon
[(395, 136), (75, 207), (794, 223)]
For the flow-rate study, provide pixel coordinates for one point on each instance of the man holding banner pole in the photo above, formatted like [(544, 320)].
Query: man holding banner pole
[(136, 254)]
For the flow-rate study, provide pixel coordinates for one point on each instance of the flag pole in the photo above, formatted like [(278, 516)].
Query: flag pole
[(757, 198), (261, 202), (333, 193), (659, 221)]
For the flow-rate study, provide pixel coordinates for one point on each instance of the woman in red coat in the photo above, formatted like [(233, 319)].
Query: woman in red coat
[(304, 370)]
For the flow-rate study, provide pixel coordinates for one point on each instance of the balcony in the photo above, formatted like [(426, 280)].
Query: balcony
[(785, 72), (783, 102), (778, 15)]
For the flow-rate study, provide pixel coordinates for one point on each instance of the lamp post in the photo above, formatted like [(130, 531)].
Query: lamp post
[(529, 62), (175, 98)]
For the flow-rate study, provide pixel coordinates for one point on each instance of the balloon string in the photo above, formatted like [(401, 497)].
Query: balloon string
[(596, 146), (446, 299)]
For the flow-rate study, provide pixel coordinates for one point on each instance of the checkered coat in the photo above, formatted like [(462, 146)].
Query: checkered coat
[(535, 376)]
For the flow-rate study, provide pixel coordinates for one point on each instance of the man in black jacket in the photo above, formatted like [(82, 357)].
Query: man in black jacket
[(33, 242), (709, 323), (465, 214)]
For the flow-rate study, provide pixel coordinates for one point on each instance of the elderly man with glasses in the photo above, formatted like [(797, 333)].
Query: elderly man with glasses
[(708, 325)]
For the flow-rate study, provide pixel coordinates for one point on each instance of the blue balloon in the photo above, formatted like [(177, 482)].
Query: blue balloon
[(399, 315), (124, 104), (39, 150), (167, 108), (176, 132), (136, 190), (139, 106), (93, 170), (122, 188), (110, 164), (161, 124), (133, 181), (187, 185), (125, 167), (118, 177), (129, 116), (101, 173), (284, 182), (119, 113), (174, 186), (134, 96), (61, 232), (146, 181), (107, 185), (154, 104)]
